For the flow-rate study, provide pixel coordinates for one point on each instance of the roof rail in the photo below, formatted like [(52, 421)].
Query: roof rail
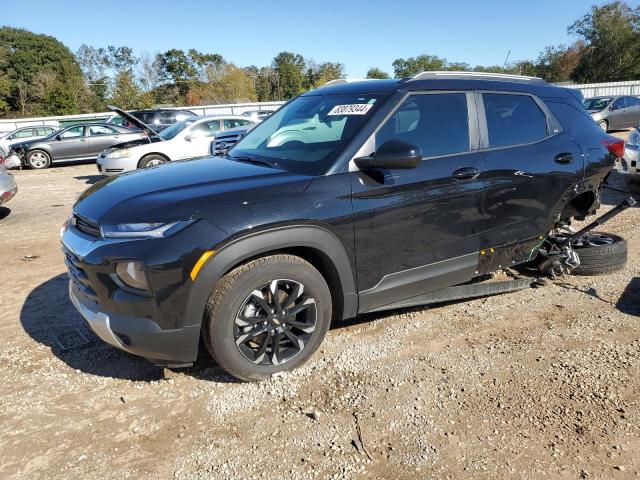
[(486, 75), (339, 81)]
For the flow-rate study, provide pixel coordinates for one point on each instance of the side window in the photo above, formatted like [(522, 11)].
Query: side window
[(26, 133), (207, 129), (233, 123), (98, 130), (167, 118), (437, 123), (513, 119), (632, 102), (73, 132), (41, 132), (618, 103)]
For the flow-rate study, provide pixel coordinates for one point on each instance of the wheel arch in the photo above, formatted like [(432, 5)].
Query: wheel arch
[(163, 155), (317, 245)]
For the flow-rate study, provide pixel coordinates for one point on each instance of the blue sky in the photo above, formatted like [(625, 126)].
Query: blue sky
[(361, 34)]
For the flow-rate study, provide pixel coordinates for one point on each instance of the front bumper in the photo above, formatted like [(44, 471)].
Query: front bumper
[(115, 166), (139, 336), (155, 326)]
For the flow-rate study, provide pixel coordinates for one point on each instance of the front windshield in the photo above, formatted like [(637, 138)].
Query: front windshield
[(306, 135), (596, 103), (170, 132)]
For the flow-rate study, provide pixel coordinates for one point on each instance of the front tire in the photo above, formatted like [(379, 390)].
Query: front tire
[(267, 316), (151, 161), (38, 159), (604, 125)]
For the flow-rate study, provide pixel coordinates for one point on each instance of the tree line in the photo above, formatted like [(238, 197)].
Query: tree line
[(41, 76)]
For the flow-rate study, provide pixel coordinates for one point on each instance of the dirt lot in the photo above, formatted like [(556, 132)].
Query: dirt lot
[(536, 384)]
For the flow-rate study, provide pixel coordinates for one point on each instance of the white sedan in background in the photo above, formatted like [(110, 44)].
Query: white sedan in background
[(190, 138), (23, 134)]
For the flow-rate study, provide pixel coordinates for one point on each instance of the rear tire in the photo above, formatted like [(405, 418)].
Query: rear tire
[(151, 161), (252, 333), (604, 125), (38, 159), (601, 259)]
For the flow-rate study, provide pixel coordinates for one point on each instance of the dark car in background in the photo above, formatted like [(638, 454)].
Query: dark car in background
[(349, 199), (77, 142), (614, 112), (160, 118)]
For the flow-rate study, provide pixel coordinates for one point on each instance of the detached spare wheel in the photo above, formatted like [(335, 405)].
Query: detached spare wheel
[(600, 253)]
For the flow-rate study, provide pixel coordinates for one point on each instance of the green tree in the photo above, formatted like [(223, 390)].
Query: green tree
[(27, 58), (375, 72), (319, 74), (289, 68), (612, 38), (126, 93), (410, 66)]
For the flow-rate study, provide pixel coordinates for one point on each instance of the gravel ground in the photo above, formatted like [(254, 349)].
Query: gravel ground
[(534, 384)]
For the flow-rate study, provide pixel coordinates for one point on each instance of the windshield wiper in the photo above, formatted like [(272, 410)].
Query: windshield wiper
[(254, 161)]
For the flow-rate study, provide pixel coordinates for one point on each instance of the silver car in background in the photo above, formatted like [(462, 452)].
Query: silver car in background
[(614, 112), (8, 187)]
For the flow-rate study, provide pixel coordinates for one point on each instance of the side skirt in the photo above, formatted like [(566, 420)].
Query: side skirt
[(460, 292)]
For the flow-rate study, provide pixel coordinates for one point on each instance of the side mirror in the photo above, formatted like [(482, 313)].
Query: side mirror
[(58, 137), (392, 154), (188, 138)]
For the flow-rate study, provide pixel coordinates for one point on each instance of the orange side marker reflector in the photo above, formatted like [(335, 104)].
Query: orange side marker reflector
[(200, 263)]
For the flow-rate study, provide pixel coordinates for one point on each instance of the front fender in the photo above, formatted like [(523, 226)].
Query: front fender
[(236, 251)]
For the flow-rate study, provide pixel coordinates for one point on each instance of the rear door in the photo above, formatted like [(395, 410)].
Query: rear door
[(633, 108), (531, 164), (70, 144), (102, 137), (618, 113), (417, 230)]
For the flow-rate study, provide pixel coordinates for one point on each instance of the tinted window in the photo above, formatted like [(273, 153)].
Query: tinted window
[(632, 102), (437, 123), (513, 119), (144, 117), (619, 103), (96, 130), (73, 132)]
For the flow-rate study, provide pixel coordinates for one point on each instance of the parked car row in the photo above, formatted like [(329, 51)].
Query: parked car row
[(126, 140), (614, 112)]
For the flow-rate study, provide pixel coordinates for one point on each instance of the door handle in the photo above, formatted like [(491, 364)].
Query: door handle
[(564, 157), (465, 173)]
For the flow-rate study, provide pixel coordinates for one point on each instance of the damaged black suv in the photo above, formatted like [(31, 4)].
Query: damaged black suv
[(351, 198)]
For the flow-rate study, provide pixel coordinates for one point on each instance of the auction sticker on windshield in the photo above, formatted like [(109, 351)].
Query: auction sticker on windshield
[(353, 109)]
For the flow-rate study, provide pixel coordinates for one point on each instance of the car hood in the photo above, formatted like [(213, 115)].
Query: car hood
[(133, 120), (16, 146), (184, 189), (134, 143)]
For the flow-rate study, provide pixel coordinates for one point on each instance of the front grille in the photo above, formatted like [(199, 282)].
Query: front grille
[(78, 275), (86, 226)]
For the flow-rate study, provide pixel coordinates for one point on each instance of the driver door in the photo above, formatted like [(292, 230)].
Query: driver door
[(418, 230), (70, 144)]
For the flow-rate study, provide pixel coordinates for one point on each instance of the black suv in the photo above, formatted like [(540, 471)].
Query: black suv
[(350, 198), (159, 119)]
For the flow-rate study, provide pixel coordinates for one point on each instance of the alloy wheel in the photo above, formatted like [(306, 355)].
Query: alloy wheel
[(154, 162), (38, 160), (275, 322)]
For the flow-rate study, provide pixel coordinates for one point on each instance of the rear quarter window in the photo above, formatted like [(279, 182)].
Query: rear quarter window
[(575, 120), (513, 119)]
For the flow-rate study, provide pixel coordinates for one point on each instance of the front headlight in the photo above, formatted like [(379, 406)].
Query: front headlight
[(122, 153), (634, 138), (143, 230)]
